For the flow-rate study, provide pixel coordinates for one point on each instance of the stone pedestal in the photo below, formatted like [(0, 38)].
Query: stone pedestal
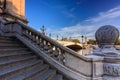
[(106, 37)]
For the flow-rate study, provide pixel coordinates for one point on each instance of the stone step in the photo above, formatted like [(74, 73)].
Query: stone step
[(16, 44), (57, 77), (16, 53), (29, 73), (14, 57), (9, 42), (7, 38), (6, 50), (17, 62), (10, 63), (5, 74), (48, 75), (2, 46)]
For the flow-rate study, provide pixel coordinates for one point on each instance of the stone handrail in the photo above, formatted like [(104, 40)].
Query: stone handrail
[(36, 37)]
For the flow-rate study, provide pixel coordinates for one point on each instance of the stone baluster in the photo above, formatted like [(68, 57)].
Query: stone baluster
[(38, 41), (50, 51), (49, 48)]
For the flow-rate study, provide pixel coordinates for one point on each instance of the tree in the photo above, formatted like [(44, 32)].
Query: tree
[(75, 41), (72, 40), (92, 41), (117, 42), (65, 39)]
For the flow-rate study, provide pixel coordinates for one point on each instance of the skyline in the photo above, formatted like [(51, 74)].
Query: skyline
[(72, 18)]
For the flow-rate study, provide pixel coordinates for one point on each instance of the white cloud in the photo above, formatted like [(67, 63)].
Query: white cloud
[(109, 17), (90, 28), (75, 31), (110, 14), (68, 14)]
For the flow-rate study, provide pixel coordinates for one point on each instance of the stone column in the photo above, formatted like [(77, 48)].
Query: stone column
[(106, 37), (14, 6)]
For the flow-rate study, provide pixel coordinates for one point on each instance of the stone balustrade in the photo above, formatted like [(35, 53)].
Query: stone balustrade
[(63, 55), (103, 64)]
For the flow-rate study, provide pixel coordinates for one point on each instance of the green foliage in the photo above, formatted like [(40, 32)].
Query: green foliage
[(75, 41), (92, 41), (117, 42), (65, 39), (72, 40)]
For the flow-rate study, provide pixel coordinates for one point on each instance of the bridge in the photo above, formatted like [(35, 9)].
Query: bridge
[(26, 54), (73, 45), (70, 44)]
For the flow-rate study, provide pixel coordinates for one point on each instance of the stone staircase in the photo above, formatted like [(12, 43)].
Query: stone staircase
[(17, 62)]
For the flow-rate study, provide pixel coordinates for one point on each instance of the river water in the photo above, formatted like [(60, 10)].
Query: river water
[(90, 49), (85, 51)]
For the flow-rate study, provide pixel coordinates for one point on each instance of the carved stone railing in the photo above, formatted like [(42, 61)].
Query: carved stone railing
[(44, 43), (104, 64), (56, 51)]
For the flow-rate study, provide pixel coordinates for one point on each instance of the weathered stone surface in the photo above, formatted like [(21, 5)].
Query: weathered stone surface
[(78, 64), (111, 69), (106, 37), (15, 6)]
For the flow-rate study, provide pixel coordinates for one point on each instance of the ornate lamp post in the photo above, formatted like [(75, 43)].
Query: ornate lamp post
[(43, 30), (82, 44)]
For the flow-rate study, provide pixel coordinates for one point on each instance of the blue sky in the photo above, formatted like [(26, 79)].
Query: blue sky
[(72, 18)]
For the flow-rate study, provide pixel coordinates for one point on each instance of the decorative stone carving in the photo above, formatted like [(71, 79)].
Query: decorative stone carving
[(106, 37), (111, 69)]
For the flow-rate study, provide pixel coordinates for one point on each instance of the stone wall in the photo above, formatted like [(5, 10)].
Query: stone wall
[(15, 6)]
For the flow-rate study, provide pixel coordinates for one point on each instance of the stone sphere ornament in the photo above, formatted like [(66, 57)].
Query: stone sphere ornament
[(106, 37)]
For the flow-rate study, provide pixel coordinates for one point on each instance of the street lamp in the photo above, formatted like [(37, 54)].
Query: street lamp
[(50, 35), (82, 44), (43, 30)]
